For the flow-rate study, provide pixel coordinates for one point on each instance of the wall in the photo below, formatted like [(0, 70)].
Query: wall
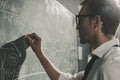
[(50, 20)]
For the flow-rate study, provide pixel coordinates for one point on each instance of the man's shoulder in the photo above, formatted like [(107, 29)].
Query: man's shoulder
[(111, 60)]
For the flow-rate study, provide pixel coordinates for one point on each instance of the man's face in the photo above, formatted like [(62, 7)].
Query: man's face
[(85, 26)]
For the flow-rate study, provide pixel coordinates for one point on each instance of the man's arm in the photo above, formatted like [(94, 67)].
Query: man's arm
[(52, 72), (35, 42)]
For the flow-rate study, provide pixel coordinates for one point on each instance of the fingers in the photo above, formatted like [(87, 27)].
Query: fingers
[(33, 37), (29, 40)]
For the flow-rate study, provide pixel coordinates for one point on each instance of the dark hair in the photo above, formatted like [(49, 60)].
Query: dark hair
[(108, 11)]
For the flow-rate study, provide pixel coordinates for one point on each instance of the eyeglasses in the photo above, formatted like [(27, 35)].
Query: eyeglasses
[(79, 18)]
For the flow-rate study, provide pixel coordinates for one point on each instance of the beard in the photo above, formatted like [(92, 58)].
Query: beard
[(82, 41)]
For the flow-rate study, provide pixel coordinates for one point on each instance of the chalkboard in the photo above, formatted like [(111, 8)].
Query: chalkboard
[(52, 22)]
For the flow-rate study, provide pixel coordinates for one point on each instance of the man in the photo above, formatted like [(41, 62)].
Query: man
[(97, 23)]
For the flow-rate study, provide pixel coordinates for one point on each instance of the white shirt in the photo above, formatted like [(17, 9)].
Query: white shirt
[(106, 67)]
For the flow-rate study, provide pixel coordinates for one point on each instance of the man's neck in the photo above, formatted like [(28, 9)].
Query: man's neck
[(101, 40)]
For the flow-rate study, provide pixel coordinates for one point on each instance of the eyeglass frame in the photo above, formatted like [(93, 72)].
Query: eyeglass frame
[(78, 17)]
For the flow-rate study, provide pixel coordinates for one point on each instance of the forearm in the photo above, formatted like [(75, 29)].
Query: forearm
[(35, 42), (52, 72)]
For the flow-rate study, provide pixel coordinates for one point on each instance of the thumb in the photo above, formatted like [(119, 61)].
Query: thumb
[(29, 40)]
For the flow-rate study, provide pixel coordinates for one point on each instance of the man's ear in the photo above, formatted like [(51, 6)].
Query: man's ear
[(97, 21)]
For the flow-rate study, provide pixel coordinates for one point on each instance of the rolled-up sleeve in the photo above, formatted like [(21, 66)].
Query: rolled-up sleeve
[(68, 76)]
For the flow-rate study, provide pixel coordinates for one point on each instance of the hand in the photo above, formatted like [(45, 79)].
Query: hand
[(34, 41)]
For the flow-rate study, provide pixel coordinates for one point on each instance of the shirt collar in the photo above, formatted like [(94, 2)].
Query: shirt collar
[(102, 49)]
